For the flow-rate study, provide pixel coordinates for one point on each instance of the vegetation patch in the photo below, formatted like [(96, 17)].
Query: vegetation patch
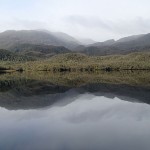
[(81, 62)]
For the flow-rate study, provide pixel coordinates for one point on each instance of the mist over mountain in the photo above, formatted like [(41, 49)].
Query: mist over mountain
[(135, 43), (11, 38), (86, 41), (43, 42), (130, 38), (105, 43)]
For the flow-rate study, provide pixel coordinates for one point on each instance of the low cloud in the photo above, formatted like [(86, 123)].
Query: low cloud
[(83, 26), (89, 21), (117, 28)]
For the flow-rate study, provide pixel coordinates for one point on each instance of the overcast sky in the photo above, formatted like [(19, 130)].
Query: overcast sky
[(96, 19)]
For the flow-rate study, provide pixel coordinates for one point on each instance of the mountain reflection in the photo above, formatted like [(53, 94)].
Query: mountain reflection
[(31, 91)]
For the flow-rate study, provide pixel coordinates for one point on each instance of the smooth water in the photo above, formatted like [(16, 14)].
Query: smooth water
[(37, 115)]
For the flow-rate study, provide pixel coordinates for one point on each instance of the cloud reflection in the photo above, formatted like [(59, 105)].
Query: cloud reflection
[(89, 122)]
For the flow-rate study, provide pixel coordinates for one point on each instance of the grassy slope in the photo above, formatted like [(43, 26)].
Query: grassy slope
[(75, 61), (6, 55), (78, 61)]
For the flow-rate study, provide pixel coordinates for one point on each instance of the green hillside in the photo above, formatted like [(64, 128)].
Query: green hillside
[(6, 55), (81, 62), (39, 51)]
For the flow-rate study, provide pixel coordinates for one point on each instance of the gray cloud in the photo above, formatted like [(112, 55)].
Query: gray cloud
[(97, 19), (116, 28), (89, 21), (22, 24)]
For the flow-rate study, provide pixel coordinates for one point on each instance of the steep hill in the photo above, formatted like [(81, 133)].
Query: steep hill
[(39, 50), (136, 43), (41, 43), (11, 38)]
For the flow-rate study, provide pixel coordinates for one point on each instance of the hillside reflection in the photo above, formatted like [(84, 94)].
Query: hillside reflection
[(31, 90)]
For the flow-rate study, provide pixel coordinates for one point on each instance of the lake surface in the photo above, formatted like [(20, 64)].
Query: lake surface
[(38, 114)]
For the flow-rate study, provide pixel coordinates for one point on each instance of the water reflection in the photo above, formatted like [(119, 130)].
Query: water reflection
[(89, 122), (23, 93), (70, 113)]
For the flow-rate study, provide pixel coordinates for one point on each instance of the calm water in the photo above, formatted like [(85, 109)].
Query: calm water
[(37, 115)]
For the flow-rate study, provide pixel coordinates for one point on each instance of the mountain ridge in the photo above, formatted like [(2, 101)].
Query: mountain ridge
[(11, 39), (130, 44)]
